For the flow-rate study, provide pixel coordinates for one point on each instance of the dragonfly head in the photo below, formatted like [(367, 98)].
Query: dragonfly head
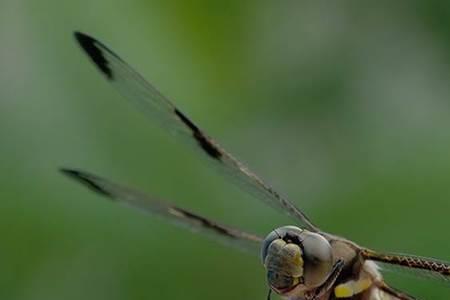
[(296, 259)]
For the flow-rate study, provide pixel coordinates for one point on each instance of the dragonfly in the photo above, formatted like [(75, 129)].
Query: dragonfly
[(301, 261)]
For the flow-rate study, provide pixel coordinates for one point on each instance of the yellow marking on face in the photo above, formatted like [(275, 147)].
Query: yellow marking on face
[(298, 260), (284, 264), (352, 287)]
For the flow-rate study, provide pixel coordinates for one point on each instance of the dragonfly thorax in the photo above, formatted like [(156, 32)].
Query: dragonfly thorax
[(296, 258)]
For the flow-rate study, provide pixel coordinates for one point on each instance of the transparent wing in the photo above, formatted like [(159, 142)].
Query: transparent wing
[(230, 236), (409, 264), (158, 108), (390, 293)]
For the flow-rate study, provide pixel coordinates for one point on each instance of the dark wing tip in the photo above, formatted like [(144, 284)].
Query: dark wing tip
[(94, 49), (86, 179)]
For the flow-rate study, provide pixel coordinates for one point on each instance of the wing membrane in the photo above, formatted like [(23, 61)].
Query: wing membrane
[(393, 293), (177, 215), (414, 265), (157, 107)]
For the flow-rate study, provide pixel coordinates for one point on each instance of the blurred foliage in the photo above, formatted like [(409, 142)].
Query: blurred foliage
[(343, 106)]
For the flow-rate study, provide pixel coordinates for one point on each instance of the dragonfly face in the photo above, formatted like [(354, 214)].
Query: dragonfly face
[(296, 259), (300, 263)]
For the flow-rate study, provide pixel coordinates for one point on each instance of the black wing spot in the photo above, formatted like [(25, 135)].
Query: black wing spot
[(87, 180), (205, 222), (202, 140), (89, 45)]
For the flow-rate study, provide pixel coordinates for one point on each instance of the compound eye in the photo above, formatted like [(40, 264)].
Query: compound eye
[(318, 259), (266, 243)]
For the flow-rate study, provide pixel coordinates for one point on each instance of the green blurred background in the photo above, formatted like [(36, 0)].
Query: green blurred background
[(344, 107)]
